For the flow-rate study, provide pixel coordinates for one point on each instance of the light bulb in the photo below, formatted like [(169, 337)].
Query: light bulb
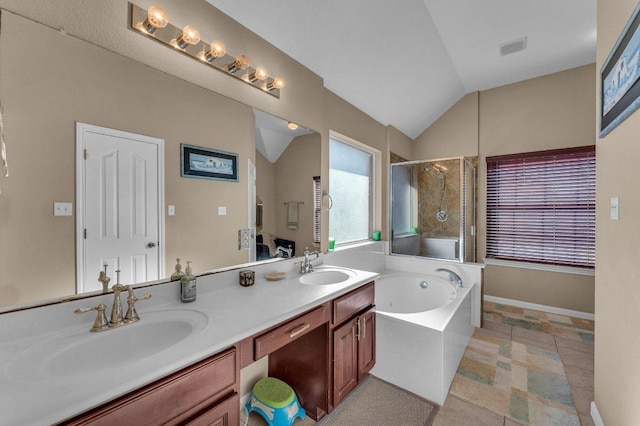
[(241, 63), (259, 74), (156, 18), (190, 36), (216, 51), (292, 126), (277, 83)]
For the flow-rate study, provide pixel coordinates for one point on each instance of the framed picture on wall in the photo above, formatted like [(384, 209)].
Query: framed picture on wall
[(205, 163), (619, 78)]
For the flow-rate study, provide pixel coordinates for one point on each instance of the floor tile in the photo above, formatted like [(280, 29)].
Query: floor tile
[(586, 420), (497, 326), (543, 345), (582, 399), (538, 336), (579, 377), (508, 421), (496, 333), (575, 358), (456, 412), (574, 344)]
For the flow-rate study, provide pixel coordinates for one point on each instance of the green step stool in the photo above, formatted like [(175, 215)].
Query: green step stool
[(275, 401)]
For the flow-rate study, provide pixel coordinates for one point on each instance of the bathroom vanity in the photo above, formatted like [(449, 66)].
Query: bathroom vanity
[(319, 337)]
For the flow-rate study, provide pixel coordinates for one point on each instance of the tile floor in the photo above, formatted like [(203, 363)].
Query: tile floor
[(571, 338)]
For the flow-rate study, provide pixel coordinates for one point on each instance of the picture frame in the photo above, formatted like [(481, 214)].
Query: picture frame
[(620, 77), (205, 163)]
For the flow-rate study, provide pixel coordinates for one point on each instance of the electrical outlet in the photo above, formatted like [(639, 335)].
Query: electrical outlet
[(244, 239), (222, 211), (62, 209), (171, 210)]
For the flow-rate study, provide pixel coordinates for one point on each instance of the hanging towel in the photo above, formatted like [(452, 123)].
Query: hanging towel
[(292, 215)]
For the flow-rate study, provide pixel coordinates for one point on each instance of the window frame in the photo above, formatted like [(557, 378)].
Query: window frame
[(374, 184), (576, 207)]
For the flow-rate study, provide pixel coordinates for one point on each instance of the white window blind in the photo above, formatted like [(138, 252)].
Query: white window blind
[(317, 208), (541, 207)]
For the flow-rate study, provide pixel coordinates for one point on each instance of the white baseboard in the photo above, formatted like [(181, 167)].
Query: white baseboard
[(595, 415), (543, 308)]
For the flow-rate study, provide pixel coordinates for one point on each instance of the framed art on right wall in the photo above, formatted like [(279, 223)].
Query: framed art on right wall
[(619, 78)]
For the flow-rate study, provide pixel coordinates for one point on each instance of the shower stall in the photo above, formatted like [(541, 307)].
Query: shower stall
[(433, 208)]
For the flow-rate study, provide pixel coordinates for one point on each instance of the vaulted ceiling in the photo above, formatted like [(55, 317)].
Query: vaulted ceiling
[(406, 62)]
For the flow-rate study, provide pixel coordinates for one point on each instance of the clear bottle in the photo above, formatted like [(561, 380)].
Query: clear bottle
[(178, 274), (188, 285)]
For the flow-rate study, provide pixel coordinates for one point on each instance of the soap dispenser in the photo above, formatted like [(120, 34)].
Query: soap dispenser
[(178, 274), (188, 285)]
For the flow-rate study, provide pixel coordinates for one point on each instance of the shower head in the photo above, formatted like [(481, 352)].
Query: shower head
[(437, 169)]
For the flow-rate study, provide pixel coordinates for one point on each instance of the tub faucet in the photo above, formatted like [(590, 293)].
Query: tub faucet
[(453, 277), (306, 266)]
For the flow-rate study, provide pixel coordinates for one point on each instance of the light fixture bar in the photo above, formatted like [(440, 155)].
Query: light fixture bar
[(173, 37)]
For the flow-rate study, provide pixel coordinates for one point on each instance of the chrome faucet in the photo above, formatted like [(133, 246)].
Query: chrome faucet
[(306, 266), (453, 277)]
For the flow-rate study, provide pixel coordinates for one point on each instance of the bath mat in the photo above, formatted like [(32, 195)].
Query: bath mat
[(523, 382), (376, 402)]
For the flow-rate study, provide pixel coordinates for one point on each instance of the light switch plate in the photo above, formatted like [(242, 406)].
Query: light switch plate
[(244, 239), (171, 210), (222, 211), (62, 209), (615, 208)]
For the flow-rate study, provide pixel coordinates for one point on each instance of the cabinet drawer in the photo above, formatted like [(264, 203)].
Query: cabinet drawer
[(273, 340), (351, 303), (223, 413), (172, 399)]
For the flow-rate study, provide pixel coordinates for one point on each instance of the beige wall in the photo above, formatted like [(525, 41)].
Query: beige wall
[(295, 170), (399, 143), (553, 111), (454, 134), (617, 376)]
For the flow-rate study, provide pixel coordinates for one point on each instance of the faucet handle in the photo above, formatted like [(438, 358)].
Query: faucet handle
[(101, 323), (132, 314)]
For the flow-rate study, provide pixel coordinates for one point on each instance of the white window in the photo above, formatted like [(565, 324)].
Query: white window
[(351, 184)]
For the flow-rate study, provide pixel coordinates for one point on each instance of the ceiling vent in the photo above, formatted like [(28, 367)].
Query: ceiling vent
[(512, 46)]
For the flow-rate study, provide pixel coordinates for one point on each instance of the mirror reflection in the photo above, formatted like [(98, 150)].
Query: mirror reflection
[(70, 81), (433, 209)]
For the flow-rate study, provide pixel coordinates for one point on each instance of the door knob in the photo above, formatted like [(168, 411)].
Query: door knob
[(151, 245)]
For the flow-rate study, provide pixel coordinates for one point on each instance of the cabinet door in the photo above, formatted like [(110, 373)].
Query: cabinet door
[(345, 360), (225, 413), (366, 343)]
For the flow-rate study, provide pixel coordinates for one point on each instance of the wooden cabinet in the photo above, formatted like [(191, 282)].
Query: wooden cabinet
[(204, 393), (354, 345)]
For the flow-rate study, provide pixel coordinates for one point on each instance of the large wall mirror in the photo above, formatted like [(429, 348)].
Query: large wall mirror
[(68, 81)]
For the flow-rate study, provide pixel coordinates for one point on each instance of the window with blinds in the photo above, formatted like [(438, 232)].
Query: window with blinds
[(541, 207), (317, 208)]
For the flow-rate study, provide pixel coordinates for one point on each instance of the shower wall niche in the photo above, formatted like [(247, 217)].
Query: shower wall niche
[(433, 208)]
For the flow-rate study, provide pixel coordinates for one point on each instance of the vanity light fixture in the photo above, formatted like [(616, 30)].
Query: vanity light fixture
[(154, 24), (277, 83), (259, 74), (292, 126), (239, 63), (190, 37), (216, 50), (156, 18)]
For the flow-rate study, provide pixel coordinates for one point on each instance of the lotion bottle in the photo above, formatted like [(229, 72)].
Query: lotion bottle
[(188, 285), (178, 274)]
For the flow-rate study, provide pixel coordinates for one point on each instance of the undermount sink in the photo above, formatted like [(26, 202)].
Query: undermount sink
[(327, 276), (83, 352)]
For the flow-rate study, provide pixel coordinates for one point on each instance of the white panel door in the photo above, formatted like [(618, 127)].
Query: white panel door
[(252, 209), (120, 206)]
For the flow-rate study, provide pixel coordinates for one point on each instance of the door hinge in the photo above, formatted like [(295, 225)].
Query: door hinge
[(85, 233), (86, 153)]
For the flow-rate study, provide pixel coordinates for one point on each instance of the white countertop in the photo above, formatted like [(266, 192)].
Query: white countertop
[(28, 395)]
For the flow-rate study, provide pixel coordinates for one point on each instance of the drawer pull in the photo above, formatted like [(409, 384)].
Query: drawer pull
[(301, 329)]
